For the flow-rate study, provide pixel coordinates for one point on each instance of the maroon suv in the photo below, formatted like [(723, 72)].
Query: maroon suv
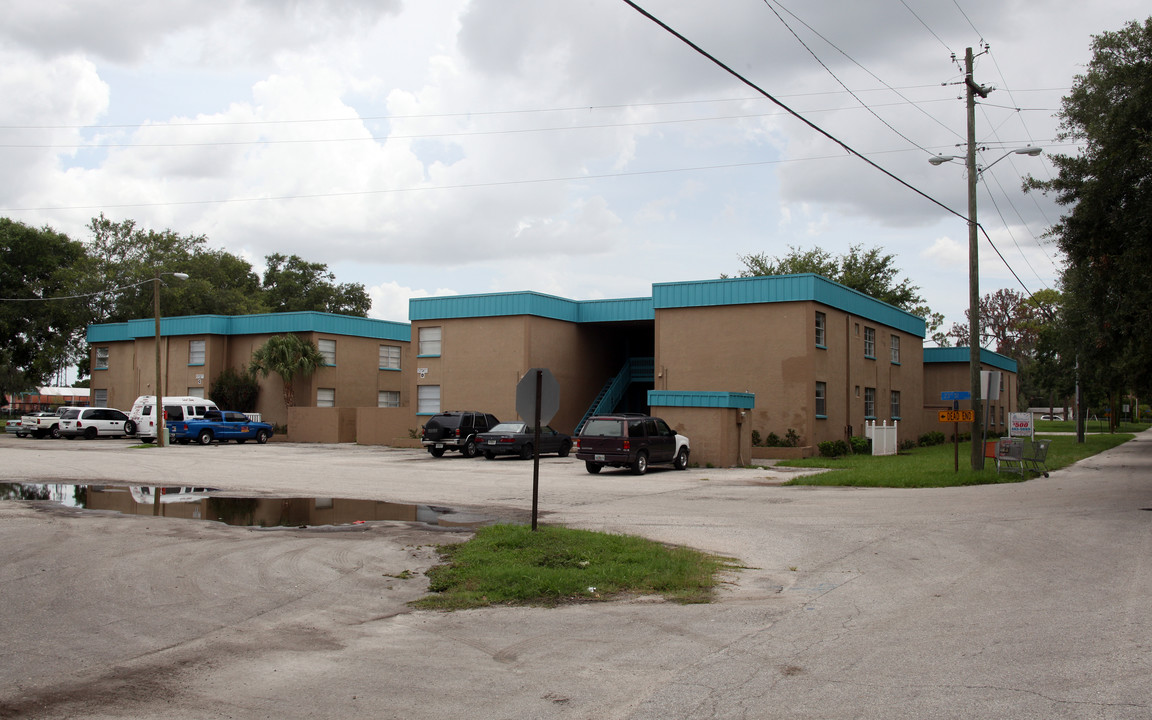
[(631, 441)]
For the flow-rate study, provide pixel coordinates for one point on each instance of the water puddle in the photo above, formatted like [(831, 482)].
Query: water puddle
[(198, 503)]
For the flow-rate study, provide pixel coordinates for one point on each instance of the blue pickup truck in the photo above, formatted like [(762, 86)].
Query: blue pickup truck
[(222, 425)]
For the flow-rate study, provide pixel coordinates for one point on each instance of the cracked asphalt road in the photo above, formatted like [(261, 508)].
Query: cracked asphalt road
[(1026, 600)]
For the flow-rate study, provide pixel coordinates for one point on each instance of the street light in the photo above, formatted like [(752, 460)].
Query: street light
[(974, 171), (159, 404)]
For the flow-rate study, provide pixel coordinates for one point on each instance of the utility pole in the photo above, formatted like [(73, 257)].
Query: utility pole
[(973, 268)]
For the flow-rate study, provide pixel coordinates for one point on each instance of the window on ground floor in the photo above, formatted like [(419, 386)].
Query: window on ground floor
[(821, 399), (388, 398), (895, 409), (99, 398), (325, 397), (870, 403), (427, 399)]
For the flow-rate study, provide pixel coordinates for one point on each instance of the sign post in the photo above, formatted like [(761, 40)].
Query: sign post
[(956, 416), (537, 400)]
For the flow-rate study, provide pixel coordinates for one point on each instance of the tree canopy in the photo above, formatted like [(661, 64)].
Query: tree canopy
[(1106, 233), (872, 272)]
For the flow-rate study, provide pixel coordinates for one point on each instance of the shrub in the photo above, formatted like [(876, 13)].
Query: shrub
[(929, 439), (906, 445), (756, 438), (234, 390), (773, 440), (861, 445), (833, 448), (791, 438)]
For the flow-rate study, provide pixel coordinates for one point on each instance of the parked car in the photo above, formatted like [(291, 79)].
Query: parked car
[(44, 424), (13, 427), (91, 422), (632, 441), (176, 409), (222, 425), (517, 438), (456, 431), (1051, 417)]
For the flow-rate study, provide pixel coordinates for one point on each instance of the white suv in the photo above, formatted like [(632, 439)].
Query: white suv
[(93, 421)]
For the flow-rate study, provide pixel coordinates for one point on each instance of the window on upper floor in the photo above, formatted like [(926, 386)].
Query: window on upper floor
[(895, 348), (430, 340), (328, 350), (821, 323), (101, 359), (869, 342), (389, 357), (195, 352)]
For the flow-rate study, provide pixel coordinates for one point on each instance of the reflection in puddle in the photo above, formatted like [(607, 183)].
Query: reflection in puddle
[(197, 503)]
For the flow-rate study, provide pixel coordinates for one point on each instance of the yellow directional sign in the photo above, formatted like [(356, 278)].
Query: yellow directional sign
[(957, 416)]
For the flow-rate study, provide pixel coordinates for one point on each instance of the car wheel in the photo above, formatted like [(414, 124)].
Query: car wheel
[(681, 461), (205, 437), (640, 466), (261, 436), (526, 451), (592, 467), (489, 455), (469, 450), (436, 452), (90, 433), (55, 432), (565, 448), (241, 441)]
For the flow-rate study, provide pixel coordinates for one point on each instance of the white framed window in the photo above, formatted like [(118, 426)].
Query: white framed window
[(195, 352), (389, 357), (870, 403), (895, 347), (196, 392), (430, 340), (99, 398), (895, 409), (328, 350), (325, 397), (821, 399), (427, 399), (869, 342), (101, 359), (821, 323), (388, 398)]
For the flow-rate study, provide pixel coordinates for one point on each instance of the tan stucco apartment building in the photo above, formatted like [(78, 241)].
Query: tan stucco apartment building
[(717, 359)]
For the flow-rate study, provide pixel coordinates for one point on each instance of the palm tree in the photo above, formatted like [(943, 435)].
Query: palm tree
[(287, 356)]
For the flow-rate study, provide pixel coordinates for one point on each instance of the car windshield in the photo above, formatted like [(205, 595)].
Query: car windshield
[(508, 427), (604, 428)]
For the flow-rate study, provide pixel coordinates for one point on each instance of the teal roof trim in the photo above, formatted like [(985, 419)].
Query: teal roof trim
[(683, 398), (961, 355), (529, 303), (263, 324), (784, 288)]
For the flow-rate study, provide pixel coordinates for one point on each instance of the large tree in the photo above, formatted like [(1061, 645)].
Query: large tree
[(872, 272), (292, 284), (1106, 233), (41, 320)]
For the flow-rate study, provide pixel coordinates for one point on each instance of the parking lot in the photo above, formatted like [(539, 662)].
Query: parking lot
[(1026, 600)]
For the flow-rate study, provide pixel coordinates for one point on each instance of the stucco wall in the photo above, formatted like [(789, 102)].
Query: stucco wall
[(322, 425)]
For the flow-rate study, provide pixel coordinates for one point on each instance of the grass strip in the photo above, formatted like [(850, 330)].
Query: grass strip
[(512, 565), (934, 466)]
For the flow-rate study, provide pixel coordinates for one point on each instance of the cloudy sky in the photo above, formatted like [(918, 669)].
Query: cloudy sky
[(576, 148)]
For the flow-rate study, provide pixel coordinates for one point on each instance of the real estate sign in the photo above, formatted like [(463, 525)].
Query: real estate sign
[(1020, 425)]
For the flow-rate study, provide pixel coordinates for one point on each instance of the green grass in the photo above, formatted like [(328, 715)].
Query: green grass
[(935, 466), (1091, 426), (512, 565)]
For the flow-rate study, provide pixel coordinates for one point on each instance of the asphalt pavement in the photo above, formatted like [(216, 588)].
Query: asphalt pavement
[(1021, 600)]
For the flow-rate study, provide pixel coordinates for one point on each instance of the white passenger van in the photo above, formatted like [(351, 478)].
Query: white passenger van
[(143, 412)]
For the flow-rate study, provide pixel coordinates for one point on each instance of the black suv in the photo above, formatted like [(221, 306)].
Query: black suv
[(632, 441), (456, 431)]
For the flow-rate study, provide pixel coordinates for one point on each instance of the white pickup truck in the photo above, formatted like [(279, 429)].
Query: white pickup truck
[(42, 424)]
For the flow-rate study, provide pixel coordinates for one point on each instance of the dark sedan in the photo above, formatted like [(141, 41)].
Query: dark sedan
[(516, 438)]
